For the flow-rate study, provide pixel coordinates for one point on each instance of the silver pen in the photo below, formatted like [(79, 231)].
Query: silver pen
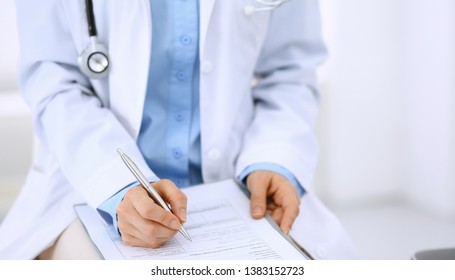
[(146, 184)]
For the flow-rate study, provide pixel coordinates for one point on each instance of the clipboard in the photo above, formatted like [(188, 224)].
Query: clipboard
[(221, 228)]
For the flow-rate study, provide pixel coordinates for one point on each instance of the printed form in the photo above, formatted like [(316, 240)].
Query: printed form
[(219, 223)]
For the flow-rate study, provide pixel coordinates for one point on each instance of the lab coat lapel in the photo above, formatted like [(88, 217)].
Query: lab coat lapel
[(206, 8), (130, 56)]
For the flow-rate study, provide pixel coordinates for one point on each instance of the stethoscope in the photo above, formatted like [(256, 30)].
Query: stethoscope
[(94, 59)]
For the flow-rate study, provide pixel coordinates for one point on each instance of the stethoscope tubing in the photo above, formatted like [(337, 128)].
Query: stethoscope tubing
[(87, 56)]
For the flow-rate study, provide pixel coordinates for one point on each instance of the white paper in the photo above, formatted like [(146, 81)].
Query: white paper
[(219, 223)]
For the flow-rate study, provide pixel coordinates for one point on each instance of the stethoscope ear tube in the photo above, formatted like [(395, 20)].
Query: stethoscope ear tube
[(90, 18)]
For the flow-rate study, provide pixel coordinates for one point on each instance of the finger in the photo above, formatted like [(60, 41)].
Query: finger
[(257, 184), (272, 206), (144, 240), (174, 196), (149, 210), (131, 223), (290, 212), (277, 215), (134, 241), (145, 229)]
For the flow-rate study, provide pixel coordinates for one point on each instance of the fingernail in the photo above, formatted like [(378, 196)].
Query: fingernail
[(257, 211), (287, 230), (182, 214), (175, 224)]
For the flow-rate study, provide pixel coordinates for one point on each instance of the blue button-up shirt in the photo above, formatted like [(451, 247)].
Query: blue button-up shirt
[(169, 138)]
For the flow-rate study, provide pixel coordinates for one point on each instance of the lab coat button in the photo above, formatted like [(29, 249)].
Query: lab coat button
[(207, 67), (249, 10), (321, 253), (214, 154)]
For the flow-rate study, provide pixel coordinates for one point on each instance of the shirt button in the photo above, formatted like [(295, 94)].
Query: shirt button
[(178, 117), (180, 75), (185, 40), (176, 153), (207, 67), (214, 154)]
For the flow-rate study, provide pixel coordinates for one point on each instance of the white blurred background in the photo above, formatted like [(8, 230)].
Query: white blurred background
[(386, 126)]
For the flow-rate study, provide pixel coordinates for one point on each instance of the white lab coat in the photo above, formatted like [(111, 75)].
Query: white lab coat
[(240, 126)]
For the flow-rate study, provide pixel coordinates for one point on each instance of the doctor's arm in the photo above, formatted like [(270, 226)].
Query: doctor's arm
[(286, 104), (78, 127), (71, 118)]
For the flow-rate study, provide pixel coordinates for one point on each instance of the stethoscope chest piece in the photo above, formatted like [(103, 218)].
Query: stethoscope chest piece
[(94, 60)]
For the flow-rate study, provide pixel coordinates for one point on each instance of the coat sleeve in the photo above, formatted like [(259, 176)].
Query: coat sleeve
[(80, 131), (286, 96)]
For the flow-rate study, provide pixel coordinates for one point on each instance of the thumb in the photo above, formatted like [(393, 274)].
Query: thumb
[(257, 184)]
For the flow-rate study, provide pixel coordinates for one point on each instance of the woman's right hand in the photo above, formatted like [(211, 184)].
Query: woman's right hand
[(144, 223)]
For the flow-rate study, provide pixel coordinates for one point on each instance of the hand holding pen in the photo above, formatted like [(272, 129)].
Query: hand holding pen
[(144, 220)]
